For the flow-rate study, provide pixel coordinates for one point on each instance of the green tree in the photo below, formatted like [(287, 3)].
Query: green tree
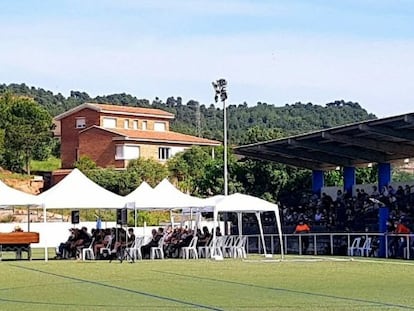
[(188, 167), (85, 163), (148, 170), (27, 129)]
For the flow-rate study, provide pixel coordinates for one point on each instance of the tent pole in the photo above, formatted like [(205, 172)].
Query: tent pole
[(259, 220), (135, 215), (191, 217), (45, 223), (279, 229), (28, 218), (213, 251), (239, 223)]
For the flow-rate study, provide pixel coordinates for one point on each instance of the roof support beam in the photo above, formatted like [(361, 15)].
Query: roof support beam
[(312, 156), (389, 147), (371, 156), (406, 135), (288, 161)]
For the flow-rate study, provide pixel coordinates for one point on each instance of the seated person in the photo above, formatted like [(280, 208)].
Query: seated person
[(63, 249), (171, 241), (156, 236), (104, 241), (204, 237)]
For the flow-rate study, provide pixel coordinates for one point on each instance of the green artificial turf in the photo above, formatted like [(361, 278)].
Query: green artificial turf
[(298, 283)]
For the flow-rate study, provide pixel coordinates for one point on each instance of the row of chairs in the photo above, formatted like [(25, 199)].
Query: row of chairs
[(358, 249), (225, 246)]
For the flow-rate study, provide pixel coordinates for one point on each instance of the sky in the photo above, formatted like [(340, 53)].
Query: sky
[(271, 51)]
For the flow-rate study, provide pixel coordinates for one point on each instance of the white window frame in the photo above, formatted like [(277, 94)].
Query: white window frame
[(124, 152), (164, 153), (126, 124), (160, 126), (109, 125), (135, 124), (80, 123), (144, 125)]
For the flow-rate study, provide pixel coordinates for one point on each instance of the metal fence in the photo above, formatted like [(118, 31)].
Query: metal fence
[(337, 244)]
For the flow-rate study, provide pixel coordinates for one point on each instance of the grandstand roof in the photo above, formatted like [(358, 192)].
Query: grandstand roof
[(357, 144)]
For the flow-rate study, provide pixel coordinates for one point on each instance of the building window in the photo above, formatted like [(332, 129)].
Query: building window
[(159, 126), (135, 124), (126, 123), (109, 122), (126, 152), (164, 153), (80, 123), (144, 125)]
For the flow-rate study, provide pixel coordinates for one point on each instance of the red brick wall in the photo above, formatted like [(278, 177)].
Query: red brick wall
[(97, 144), (94, 143), (69, 135)]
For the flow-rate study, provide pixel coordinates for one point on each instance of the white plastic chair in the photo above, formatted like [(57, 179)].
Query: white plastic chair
[(218, 249), (228, 246), (107, 248), (190, 249), (365, 248), (239, 249), (87, 252), (158, 251), (355, 246), (204, 251), (135, 250)]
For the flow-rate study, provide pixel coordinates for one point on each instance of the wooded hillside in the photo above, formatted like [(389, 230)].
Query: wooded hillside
[(206, 120)]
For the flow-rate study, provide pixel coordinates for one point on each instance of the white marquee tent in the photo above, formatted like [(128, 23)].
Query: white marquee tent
[(242, 203), (142, 193), (79, 192), (13, 197), (10, 196), (76, 191), (164, 196)]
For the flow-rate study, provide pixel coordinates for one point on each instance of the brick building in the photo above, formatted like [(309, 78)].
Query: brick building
[(112, 135)]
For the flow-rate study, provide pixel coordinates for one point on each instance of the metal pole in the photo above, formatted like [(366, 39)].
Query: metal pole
[(225, 149), (221, 95)]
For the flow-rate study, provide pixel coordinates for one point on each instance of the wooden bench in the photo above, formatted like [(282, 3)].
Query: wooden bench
[(18, 242)]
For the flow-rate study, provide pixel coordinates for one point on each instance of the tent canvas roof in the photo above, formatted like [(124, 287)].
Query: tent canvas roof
[(78, 191), (142, 193), (10, 196), (244, 203), (166, 196)]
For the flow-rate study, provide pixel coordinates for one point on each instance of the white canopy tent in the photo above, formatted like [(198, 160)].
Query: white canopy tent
[(163, 197), (10, 196), (209, 204), (76, 191), (242, 203), (13, 197), (142, 193)]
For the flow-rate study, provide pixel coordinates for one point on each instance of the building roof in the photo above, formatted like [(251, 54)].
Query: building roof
[(116, 109), (374, 141), (156, 136)]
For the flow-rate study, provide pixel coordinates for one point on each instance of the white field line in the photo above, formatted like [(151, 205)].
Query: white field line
[(343, 259)]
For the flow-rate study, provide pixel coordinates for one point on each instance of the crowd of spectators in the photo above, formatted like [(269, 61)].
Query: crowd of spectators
[(349, 213)]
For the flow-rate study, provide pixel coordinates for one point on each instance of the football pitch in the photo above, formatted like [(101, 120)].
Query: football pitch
[(297, 283)]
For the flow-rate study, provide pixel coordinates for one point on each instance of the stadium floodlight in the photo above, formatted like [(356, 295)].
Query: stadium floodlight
[(220, 88)]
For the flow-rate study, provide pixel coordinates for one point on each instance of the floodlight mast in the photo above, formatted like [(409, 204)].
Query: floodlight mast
[(221, 95)]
